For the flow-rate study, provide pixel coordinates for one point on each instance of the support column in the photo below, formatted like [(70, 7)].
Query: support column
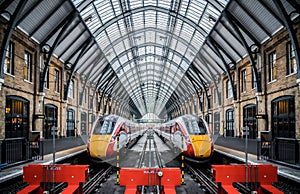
[(40, 114), (1, 83), (7, 36), (262, 124)]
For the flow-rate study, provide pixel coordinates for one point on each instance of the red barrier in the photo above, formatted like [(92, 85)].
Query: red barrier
[(36, 174), (263, 174), (169, 178)]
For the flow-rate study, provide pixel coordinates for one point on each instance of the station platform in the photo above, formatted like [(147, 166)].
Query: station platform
[(235, 148), (65, 148), (232, 147)]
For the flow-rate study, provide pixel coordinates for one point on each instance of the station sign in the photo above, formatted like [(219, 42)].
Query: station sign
[(261, 116), (39, 116)]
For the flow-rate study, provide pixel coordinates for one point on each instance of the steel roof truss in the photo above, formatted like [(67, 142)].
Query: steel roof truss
[(7, 36), (83, 50), (250, 53), (292, 33), (66, 25), (45, 20), (28, 12), (231, 18), (226, 66), (74, 40), (96, 60), (254, 19), (213, 78), (69, 18)]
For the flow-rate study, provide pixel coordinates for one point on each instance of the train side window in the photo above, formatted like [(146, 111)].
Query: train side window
[(98, 127), (110, 127), (202, 128), (105, 127), (194, 129), (177, 128), (113, 126)]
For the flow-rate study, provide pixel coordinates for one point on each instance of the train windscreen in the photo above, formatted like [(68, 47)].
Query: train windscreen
[(195, 128), (202, 127), (104, 127)]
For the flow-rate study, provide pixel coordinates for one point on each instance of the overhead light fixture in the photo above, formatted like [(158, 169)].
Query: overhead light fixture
[(88, 19), (68, 66), (212, 19)]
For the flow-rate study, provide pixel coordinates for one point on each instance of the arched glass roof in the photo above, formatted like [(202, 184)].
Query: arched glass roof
[(150, 44), (149, 55)]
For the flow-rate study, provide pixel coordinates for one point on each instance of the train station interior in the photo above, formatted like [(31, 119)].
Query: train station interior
[(235, 64)]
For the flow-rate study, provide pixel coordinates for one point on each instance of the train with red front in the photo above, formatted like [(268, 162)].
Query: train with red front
[(110, 134), (190, 135)]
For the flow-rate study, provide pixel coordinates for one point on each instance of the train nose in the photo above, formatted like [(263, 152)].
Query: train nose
[(98, 148), (202, 148)]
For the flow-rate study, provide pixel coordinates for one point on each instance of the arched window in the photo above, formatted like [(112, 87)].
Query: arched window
[(70, 122), (216, 123), (50, 120), (16, 117), (207, 118), (83, 123), (92, 119), (229, 123), (250, 120), (283, 117)]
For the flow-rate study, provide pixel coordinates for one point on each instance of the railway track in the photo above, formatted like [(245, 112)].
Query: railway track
[(150, 156), (204, 178), (98, 177)]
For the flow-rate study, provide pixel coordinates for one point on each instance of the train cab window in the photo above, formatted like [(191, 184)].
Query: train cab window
[(195, 128), (190, 127), (202, 127), (98, 127), (105, 127), (111, 128)]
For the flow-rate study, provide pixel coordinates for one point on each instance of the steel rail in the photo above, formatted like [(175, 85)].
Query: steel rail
[(203, 179), (143, 154), (94, 181)]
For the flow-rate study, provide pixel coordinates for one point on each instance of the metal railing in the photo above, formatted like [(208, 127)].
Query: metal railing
[(15, 150), (287, 150)]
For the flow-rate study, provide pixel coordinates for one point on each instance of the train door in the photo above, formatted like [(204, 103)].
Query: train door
[(177, 137), (123, 139)]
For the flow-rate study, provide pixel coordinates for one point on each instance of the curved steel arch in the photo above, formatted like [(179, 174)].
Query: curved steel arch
[(158, 71), (134, 89), (145, 45), (178, 38), (151, 8)]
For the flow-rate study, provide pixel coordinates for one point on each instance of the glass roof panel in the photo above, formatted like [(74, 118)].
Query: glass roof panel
[(150, 42)]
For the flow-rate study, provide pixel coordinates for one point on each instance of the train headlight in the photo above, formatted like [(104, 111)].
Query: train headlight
[(160, 173)]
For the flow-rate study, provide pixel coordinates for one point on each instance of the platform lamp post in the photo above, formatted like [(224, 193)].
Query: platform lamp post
[(118, 160), (246, 128), (182, 159), (53, 129)]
